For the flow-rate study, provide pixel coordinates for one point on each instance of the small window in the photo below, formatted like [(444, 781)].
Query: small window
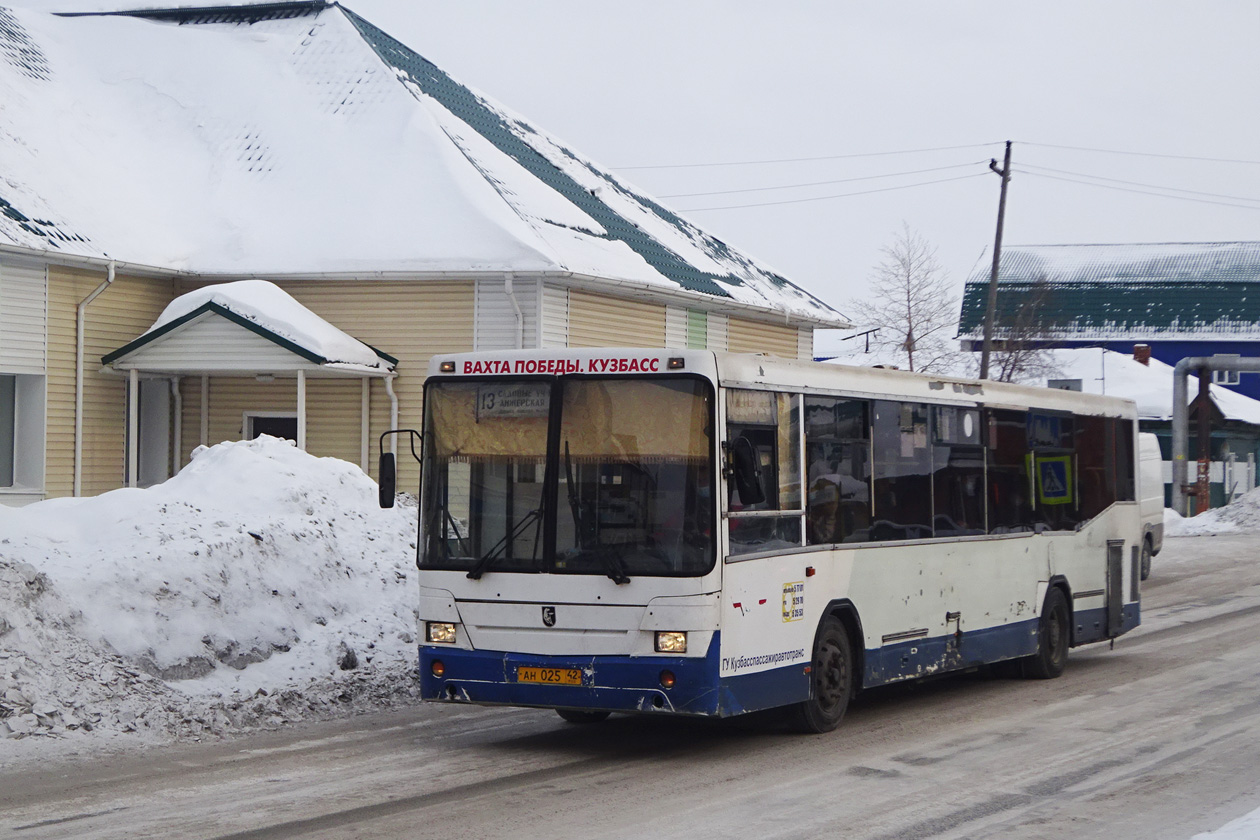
[(1226, 377), (269, 423)]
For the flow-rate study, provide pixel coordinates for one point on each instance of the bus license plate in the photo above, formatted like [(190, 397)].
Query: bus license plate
[(550, 676)]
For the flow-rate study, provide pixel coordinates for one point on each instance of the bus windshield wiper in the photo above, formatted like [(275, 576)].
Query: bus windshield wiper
[(483, 563)]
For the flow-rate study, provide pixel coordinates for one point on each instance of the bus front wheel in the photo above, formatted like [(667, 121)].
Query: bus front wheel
[(1053, 638), (831, 681)]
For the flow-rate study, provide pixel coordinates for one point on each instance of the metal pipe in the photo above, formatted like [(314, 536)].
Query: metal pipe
[(80, 326), (1181, 413)]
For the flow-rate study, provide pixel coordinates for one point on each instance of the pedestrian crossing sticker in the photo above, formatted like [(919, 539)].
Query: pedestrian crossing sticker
[(1054, 480)]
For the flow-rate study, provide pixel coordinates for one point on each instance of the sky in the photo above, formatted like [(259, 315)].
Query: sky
[(839, 88)]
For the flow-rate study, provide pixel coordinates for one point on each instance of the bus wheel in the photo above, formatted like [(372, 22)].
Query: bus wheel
[(579, 716), (1052, 639), (1146, 558), (831, 681)]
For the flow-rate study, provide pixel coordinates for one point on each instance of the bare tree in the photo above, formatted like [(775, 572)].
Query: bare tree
[(1019, 351), (912, 306)]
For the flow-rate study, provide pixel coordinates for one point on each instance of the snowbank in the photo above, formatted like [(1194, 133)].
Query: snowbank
[(1242, 516), (260, 585)]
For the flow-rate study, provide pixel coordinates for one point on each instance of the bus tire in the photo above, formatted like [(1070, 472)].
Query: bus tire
[(581, 716), (1146, 557), (1053, 638), (830, 681)]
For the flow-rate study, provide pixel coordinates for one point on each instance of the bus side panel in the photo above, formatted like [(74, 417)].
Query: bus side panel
[(936, 607), (771, 607)]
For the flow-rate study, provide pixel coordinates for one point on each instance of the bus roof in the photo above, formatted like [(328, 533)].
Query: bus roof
[(773, 372)]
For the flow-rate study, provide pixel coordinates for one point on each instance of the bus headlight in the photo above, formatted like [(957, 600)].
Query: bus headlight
[(669, 641), (440, 632)]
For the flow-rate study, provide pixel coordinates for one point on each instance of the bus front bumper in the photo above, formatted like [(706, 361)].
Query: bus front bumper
[(607, 683)]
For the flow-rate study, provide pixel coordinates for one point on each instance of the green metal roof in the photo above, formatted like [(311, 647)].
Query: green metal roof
[(1175, 290)]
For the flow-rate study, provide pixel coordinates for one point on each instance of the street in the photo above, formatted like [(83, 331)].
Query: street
[(1155, 739)]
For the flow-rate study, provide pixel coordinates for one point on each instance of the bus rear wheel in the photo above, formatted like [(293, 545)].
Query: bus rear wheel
[(831, 681), (1146, 557), (1053, 638), (580, 716)]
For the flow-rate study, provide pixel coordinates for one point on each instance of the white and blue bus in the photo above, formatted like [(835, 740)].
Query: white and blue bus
[(700, 533)]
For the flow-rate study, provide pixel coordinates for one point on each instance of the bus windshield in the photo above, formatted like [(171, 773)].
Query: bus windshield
[(585, 475)]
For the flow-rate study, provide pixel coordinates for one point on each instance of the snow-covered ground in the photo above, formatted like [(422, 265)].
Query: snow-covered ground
[(259, 586)]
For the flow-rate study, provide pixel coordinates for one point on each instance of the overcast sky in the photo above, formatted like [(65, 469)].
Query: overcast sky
[(651, 83)]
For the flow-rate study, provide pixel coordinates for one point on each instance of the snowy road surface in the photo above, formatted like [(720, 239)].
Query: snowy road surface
[(1158, 738)]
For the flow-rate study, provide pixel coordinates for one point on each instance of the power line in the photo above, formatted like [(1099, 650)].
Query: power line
[(1141, 192), (838, 195), (806, 159), (1138, 183), (1142, 154), (824, 183)]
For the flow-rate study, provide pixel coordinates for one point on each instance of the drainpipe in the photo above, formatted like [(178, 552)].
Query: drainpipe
[(80, 321), (393, 413), (516, 307), (178, 433)]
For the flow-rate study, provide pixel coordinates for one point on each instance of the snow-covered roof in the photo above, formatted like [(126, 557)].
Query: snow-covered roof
[(265, 310), (1150, 386), (1141, 292), (297, 138)]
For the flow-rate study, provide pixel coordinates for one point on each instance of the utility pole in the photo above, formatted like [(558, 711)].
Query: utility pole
[(990, 309)]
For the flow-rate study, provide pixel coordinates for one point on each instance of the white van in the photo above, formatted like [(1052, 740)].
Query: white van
[(1150, 498)]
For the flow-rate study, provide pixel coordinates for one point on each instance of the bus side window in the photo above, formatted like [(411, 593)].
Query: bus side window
[(1010, 502), (958, 498), (771, 423), (838, 472), (902, 471)]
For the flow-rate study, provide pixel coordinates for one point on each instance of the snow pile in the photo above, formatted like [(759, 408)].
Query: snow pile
[(1240, 516), (260, 585)]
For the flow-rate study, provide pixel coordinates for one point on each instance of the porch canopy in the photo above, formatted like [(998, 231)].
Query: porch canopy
[(240, 329)]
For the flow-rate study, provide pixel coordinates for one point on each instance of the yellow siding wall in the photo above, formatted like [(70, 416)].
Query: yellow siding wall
[(409, 320), (745, 336), (122, 312), (601, 321)]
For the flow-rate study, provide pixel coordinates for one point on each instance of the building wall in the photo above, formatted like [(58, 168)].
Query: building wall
[(603, 321), (746, 336), (123, 311)]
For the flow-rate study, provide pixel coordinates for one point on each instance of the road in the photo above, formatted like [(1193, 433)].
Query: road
[(1155, 739)]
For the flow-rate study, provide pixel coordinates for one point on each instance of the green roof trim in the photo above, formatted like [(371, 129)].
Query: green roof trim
[(491, 125), (217, 309)]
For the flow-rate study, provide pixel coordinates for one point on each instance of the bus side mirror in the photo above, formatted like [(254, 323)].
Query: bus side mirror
[(747, 473), (388, 480)]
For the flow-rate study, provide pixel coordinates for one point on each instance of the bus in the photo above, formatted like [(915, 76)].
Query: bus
[(702, 533)]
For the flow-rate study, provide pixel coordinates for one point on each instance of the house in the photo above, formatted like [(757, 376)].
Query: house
[(1181, 299), (370, 202), (1235, 419)]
